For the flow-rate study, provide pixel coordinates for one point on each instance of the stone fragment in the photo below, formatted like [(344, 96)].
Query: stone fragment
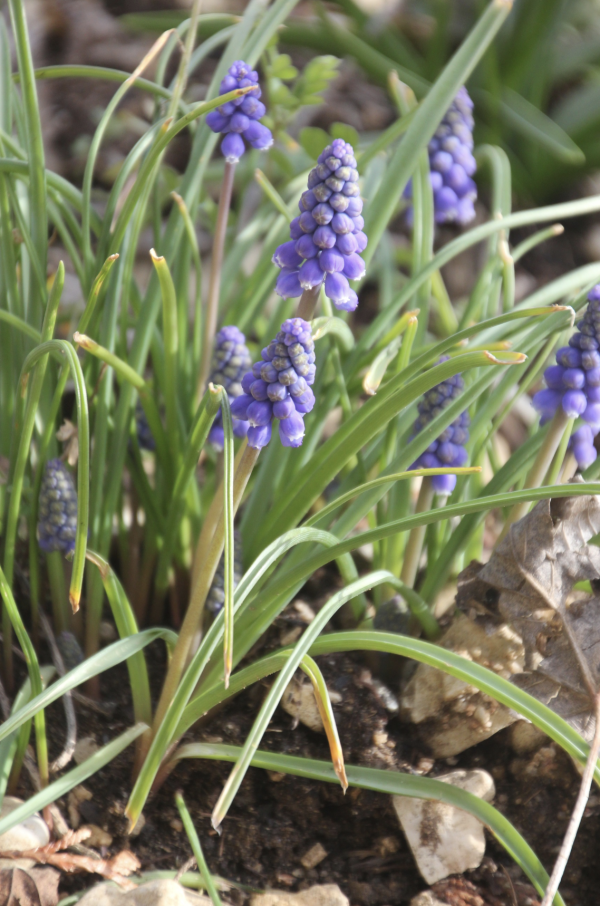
[(84, 749), (154, 893), (29, 834), (299, 702), (77, 795), (525, 737), (427, 898), (453, 715), (319, 895), (314, 856), (98, 837), (445, 840)]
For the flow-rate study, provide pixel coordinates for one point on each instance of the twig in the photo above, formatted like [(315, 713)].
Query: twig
[(189, 863), (577, 815)]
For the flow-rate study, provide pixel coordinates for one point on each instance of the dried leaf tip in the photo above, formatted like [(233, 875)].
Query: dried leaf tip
[(156, 258), (74, 598), (513, 358)]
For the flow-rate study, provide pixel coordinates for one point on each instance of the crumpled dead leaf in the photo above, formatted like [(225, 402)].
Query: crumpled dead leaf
[(31, 887), (528, 583), (68, 435), (115, 869)]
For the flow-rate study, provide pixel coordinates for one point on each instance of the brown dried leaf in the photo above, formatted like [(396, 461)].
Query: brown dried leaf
[(528, 583), (32, 887)]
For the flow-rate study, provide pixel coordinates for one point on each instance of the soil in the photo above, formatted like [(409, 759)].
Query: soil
[(276, 819)]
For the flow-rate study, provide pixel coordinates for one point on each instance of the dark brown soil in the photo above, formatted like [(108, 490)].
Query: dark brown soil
[(276, 819)]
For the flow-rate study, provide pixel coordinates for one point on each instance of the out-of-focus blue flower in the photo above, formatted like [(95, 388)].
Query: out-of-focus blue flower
[(452, 164), (144, 434), (278, 387), (230, 362), (57, 520), (574, 383), (327, 237), (70, 650), (216, 596), (449, 448), (239, 119)]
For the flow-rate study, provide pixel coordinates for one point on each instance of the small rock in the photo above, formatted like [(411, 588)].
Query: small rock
[(304, 611), (139, 826), (155, 893), (427, 898), (453, 715), (525, 738), (107, 632), (77, 795), (319, 895), (314, 856), (445, 840), (84, 749), (98, 837), (299, 701), (29, 834), (176, 824), (385, 846)]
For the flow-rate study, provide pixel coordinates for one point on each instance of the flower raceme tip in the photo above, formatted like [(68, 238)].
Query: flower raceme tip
[(230, 362), (449, 448), (239, 119), (327, 236), (278, 387), (452, 164)]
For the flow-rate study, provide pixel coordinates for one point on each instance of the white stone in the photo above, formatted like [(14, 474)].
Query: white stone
[(525, 737), (299, 701), (84, 749), (445, 840), (155, 893), (319, 895), (29, 834), (453, 715), (427, 898)]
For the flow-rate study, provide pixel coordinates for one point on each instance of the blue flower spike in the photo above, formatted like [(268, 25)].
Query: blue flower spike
[(573, 384), (230, 362), (452, 164), (327, 236), (278, 387), (144, 434), (239, 119), (449, 448), (57, 520)]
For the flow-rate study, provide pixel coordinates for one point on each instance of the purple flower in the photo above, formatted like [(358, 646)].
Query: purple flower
[(574, 383), (327, 237), (278, 387), (449, 448), (57, 520), (238, 119), (144, 434), (452, 165), (230, 362)]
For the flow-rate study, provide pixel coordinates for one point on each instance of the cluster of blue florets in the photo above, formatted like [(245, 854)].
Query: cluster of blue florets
[(57, 520), (327, 236), (449, 448), (452, 164), (239, 119), (574, 383), (278, 387), (144, 433), (230, 362)]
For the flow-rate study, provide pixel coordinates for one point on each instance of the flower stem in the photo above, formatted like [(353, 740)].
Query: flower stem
[(214, 286), (206, 568), (412, 554), (308, 303), (540, 467)]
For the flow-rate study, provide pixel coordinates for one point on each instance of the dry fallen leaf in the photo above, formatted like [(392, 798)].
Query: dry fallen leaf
[(31, 887), (528, 583)]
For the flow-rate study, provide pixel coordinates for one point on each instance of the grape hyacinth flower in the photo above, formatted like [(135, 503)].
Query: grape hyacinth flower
[(142, 428), (230, 362), (573, 384), (216, 596), (239, 119), (57, 521), (452, 165), (449, 448), (278, 387), (327, 236)]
